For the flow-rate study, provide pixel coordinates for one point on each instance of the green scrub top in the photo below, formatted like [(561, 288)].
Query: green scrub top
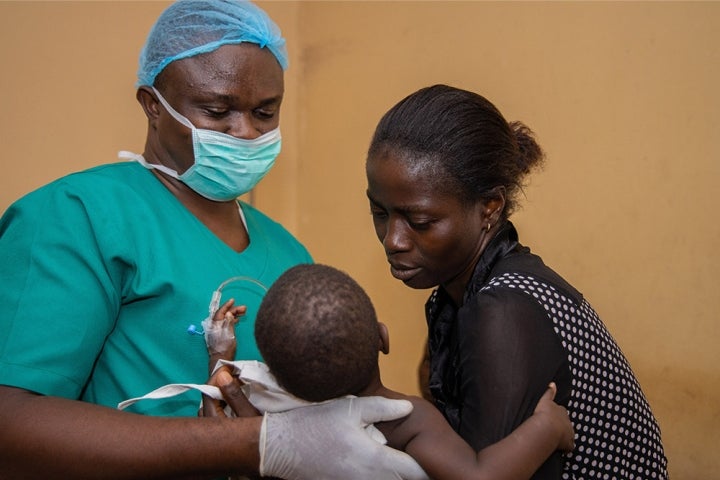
[(103, 272)]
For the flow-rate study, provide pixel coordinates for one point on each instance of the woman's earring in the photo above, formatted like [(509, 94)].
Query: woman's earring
[(488, 228)]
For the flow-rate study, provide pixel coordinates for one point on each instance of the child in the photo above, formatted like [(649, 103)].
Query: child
[(318, 334)]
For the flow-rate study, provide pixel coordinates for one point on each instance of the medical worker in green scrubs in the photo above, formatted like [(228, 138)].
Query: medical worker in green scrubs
[(108, 273)]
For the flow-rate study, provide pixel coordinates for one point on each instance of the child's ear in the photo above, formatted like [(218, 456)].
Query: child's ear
[(384, 340)]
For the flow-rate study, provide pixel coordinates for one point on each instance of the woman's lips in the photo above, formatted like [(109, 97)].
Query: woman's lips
[(403, 273)]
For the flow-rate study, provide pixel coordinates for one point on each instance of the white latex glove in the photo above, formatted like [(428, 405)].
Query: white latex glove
[(329, 442)]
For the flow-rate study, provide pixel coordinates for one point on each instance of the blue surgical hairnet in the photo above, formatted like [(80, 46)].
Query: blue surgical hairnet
[(191, 27)]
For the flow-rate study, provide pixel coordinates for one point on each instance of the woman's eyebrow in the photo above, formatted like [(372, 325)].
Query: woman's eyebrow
[(405, 209)]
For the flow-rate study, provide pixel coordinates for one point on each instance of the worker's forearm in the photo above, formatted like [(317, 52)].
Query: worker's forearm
[(49, 437)]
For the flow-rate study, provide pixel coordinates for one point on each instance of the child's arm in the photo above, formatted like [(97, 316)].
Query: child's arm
[(241, 406), (530, 444), (221, 343), (444, 455), (220, 333)]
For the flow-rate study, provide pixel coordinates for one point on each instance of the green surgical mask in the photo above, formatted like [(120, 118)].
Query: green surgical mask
[(225, 166)]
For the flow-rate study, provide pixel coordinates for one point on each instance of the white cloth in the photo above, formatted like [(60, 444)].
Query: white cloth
[(260, 387)]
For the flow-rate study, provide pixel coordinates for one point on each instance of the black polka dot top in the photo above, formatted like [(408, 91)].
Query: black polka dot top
[(521, 326), (616, 435)]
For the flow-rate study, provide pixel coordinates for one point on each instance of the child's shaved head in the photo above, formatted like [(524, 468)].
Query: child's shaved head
[(318, 333)]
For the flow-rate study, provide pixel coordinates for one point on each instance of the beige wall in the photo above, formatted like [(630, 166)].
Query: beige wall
[(623, 96)]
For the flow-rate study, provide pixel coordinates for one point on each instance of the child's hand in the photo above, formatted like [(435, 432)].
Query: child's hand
[(558, 417), (220, 332), (231, 388)]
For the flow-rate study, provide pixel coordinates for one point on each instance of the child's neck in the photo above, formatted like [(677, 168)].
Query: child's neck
[(376, 388)]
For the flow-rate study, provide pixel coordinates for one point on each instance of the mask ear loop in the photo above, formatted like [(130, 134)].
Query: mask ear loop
[(217, 295), (173, 113)]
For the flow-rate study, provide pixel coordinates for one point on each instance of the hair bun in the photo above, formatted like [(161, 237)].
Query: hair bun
[(531, 154)]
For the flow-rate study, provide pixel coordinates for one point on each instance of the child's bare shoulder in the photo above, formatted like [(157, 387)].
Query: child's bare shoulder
[(423, 417)]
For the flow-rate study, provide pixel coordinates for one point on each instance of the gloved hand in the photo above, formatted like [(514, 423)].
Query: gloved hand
[(329, 442)]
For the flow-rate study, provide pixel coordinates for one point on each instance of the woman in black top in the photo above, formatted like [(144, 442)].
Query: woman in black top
[(444, 169)]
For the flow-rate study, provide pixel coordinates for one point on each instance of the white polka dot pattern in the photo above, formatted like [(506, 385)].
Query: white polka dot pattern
[(616, 434)]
